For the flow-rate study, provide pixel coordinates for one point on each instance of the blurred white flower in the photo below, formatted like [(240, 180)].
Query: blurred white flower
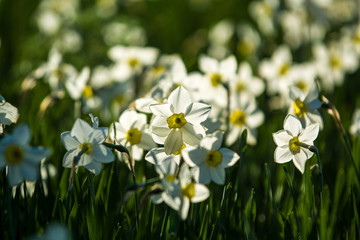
[(83, 137), (132, 132), (243, 114), (263, 12), (210, 159), (288, 141), (22, 160)]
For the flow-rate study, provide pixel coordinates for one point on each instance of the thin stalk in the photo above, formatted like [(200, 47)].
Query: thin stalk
[(227, 88), (92, 188), (335, 114)]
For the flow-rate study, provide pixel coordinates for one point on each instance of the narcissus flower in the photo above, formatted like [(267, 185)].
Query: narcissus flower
[(131, 131), (83, 137), (210, 159), (182, 191), (355, 126), (288, 142), (178, 121), (305, 107), (22, 161)]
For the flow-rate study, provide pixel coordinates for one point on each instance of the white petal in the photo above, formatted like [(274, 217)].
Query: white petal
[(213, 141), (197, 113), (208, 65), (255, 119), (160, 127), (35, 154), (201, 193), (233, 135), (184, 208), (69, 158), (293, 125), (283, 154), (69, 141), (29, 171), (282, 138), (143, 104), (173, 142), (300, 160), (192, 134), (14, 175), (146, 141), (93, 167), (229, 157), (98, 135), (309, 134), (161, 109), (194, 156), (217, 174), (314, 117), (21, 134), (179, 99), (102, 154), (81, 130), (313, 93), (203, 173), (228, 66)]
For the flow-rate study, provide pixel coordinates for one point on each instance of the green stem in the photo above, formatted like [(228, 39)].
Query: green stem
[(92, 188)]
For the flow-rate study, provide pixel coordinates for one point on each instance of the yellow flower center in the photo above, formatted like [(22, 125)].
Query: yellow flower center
[(300, 108), (213, 158), (177, 120), (301, 85), (238, 117), (179, 151), (86, 147), (335, 61), (133, 136), (170, 178), (88, 92), (284, 69), (14, 154), (133, 62), (294, 148), (240, 86), (189, 191), (215, 79)]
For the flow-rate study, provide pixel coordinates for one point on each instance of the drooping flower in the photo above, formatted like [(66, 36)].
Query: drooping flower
[(178, 121), (210, 159), (132, 132), (288, 142), (87, 139), (22, 160)]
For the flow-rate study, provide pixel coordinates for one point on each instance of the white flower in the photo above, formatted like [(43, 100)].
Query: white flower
[(22, 161), (130, 61), (355, 126), (210, 159), (183, 191), (83, 137), (178, 121), (8, 114), (305, 107), (243, 114), (288, 141), (246, 83), (78, 86), (131, 131)]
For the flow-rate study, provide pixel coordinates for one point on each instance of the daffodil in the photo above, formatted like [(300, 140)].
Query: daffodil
[(210, 159), (178, 121), (289, 142), (305, 107), (132, 132), (355, 125), (243, 114), (183, 190), (86, 139), (22, 160), (8, 114)]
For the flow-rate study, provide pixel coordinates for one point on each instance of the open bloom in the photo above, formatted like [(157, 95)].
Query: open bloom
[(288, 142), (182, 191), (210, 159), (305, 107), (178, 121), (83, 137), (21, 160), (131, 131)]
